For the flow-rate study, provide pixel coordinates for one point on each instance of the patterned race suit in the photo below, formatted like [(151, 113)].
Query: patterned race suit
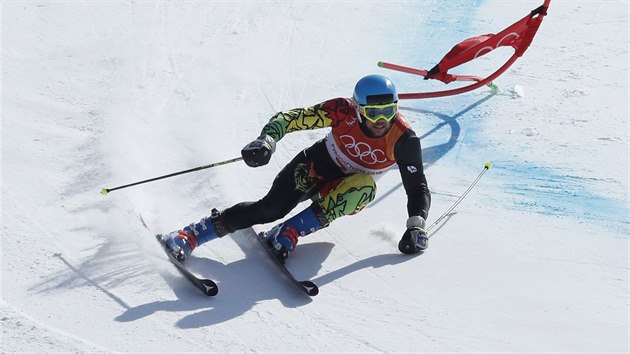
[(339, 172)]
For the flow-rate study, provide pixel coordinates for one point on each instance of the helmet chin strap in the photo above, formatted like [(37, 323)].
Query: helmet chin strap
[(356, 110)]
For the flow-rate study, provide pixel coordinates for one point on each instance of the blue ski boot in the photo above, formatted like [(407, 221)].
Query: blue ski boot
[(284, 236), (181, 243)]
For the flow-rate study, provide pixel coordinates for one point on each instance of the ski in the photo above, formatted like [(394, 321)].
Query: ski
[(207, 286), (306, 286)]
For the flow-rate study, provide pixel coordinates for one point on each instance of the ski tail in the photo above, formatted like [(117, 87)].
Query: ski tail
[(207, 286), (306, 286)]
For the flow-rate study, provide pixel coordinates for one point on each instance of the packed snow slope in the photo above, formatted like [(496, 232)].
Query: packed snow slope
[(100, 94)]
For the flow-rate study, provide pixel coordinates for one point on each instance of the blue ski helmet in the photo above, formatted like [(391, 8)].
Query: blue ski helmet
[(373, 90)]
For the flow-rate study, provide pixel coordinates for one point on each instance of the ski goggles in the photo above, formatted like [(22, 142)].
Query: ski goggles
[(382, 111)]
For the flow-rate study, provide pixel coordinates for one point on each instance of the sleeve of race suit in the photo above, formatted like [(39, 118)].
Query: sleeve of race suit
[(321, 115), (408, 153)]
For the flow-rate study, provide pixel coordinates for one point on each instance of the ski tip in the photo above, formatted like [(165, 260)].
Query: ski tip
[(142, 221)]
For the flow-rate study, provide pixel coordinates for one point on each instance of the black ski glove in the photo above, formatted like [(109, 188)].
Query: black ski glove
[(415, 238), (258, 152)]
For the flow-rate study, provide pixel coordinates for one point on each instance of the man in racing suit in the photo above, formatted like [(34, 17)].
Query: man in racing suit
[(338, 173)]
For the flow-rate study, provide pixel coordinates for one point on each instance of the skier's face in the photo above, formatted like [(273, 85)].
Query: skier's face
[(378, 118), (380, 128)]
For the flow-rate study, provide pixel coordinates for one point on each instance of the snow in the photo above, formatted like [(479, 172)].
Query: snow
[(100, 94)]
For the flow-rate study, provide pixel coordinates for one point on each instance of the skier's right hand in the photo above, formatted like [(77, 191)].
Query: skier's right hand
[(415, 238), (258, 152)]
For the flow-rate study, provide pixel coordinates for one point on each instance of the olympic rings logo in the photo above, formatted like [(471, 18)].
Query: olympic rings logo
[(362, 151)]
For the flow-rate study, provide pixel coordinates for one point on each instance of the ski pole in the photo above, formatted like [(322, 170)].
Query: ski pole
[(105, 191), (486, 167)]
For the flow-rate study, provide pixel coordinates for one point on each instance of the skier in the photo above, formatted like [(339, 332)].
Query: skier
[(338, 173)]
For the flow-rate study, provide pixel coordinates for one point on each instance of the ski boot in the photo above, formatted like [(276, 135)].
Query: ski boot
[(181, 243), (284, 237), (282, 240)]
